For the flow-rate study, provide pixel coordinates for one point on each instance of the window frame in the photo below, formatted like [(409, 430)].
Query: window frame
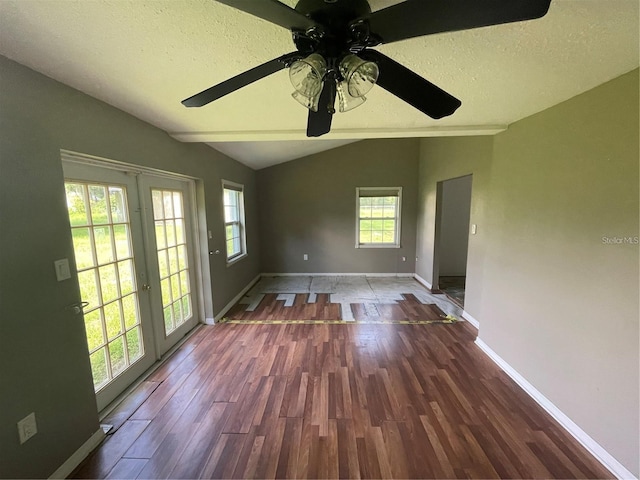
[(384, 192), (239, 189)]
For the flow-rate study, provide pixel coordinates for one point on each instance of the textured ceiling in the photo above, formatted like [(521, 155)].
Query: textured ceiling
[(144, 57)]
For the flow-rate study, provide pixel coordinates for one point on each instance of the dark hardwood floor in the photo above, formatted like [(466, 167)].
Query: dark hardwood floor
[(334, 401)]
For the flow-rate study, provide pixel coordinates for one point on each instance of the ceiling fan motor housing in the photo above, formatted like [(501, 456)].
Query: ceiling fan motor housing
[(333, 14), (336, 38)]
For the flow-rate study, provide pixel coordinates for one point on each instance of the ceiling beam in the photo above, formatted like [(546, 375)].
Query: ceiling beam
[(337, 134)]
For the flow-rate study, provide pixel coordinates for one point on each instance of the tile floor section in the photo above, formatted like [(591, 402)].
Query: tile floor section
[(347, 290), (454, 288)]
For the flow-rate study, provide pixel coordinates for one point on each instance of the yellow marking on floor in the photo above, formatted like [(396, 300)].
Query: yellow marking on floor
[(446, 320)]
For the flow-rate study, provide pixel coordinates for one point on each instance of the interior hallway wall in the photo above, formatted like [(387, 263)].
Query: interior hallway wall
[(454, 226), (550, 277), (560, 296), (44, 364), (309, 206)]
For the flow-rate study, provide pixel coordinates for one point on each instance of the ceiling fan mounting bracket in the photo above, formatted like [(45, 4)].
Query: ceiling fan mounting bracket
[(335, 14), (335, 33)]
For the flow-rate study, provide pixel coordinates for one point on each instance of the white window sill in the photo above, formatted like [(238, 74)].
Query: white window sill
[(235, 260), (377, 245)]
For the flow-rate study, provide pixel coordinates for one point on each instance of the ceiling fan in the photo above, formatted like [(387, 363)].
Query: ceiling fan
[(334, 57)]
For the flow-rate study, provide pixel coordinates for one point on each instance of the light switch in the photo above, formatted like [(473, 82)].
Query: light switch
[(27, 427), (62, 269), (474, 229)]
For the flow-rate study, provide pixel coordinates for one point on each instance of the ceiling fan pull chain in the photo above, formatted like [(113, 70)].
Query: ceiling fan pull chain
[(332, 99)]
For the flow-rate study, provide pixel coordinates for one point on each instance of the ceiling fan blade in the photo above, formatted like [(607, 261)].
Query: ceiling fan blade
[(274, 12), (414, 18), (411, 87), (239, 81), (319, 122)]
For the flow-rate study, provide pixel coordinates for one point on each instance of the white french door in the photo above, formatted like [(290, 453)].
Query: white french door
[(134, 258), (170, 248)]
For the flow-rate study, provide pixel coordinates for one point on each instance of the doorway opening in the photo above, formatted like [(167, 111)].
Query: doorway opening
[(453, 212)]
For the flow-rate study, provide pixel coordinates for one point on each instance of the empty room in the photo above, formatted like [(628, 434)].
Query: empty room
[(319, 239)]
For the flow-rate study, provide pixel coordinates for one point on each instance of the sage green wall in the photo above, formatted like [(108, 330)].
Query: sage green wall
[(553, 300), (309, 206), (558, 304), (44, 366), (442, 159)]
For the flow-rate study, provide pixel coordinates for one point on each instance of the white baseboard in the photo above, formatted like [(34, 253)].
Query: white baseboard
[(79, 455), (604, 457), (233, 301), (422, 281), (402, 275), (469, 318)]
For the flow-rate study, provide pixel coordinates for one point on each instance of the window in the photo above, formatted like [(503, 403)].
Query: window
[(378, 219), (233, 200)]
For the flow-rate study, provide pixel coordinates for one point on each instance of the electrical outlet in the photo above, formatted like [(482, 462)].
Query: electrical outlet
[(404, 259), (27, 427), (305, 257)]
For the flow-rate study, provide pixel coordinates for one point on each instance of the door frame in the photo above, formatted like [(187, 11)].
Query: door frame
[(203, 301), (435, 277)]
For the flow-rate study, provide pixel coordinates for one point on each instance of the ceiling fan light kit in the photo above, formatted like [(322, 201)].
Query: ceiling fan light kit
[(345, 101), (335, 58), (360, 75), (307, 75)]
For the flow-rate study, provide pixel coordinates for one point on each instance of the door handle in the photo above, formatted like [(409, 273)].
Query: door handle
[(77, 308)]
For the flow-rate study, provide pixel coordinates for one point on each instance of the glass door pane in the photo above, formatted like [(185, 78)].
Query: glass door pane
[(101, 229), (173, 262)]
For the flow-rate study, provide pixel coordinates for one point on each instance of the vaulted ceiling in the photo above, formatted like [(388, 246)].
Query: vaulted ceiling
[(144, 57)]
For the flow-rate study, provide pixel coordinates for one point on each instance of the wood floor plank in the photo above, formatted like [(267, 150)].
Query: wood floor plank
[(248, 462), (395, 447), (268, 460), (158, 399), (164, 458), (153, 436), (336, 401), (130, 404), (200, 442), (127, 468), (112, 449), (224, 457)]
